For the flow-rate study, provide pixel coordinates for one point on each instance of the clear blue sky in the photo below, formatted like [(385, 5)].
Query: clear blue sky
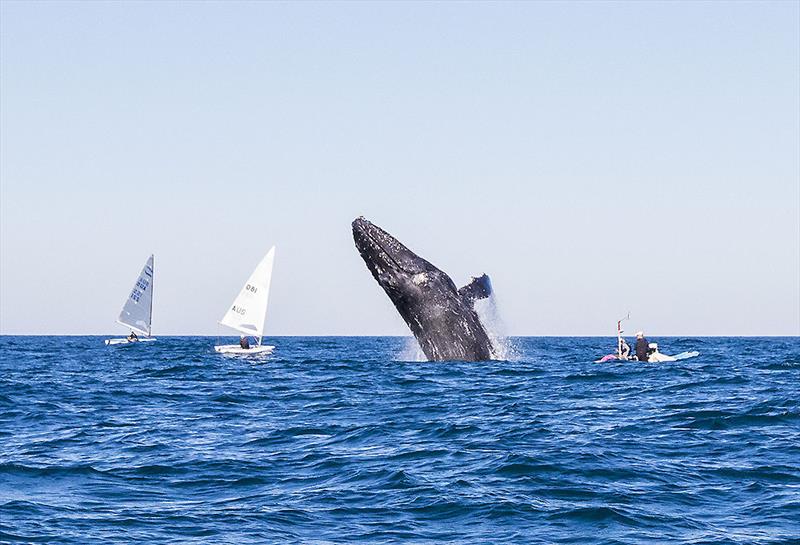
[(593, 158)]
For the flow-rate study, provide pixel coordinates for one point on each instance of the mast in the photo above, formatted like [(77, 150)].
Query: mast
[(619, 335), (152, 292)]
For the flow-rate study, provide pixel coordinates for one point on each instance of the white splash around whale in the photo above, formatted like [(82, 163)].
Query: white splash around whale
[(503, 347)]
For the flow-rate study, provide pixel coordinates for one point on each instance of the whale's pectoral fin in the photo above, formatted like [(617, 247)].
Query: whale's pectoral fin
[(479, 288)]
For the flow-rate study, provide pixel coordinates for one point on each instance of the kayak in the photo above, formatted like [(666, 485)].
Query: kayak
[(655, 357), (608, 357)]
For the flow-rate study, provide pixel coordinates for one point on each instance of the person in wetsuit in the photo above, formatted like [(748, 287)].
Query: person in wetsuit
[(244, 343), (624, 349), (642, 348), (133, 337)]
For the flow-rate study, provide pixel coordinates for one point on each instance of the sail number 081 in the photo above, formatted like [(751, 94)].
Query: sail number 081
[(241, 310)]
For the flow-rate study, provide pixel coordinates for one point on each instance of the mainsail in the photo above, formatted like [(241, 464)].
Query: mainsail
[(249, 309), (137, 313)]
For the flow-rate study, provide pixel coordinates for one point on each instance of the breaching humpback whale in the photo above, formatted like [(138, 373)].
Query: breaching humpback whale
[(442, 318)]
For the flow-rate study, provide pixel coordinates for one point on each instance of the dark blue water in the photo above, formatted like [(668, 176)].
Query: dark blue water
[(335, 440)]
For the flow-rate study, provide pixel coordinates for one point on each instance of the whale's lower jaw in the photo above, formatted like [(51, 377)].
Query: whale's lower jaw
[(464, 339), (453, 352)]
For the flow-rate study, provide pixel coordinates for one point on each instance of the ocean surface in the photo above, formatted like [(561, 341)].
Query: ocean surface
[(338, 440)]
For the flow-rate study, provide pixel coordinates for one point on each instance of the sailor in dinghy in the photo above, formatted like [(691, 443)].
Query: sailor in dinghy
[(137, 312), (249, 311)]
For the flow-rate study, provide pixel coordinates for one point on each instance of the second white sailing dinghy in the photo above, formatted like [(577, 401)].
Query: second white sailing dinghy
[(137, 312), (249, 310)]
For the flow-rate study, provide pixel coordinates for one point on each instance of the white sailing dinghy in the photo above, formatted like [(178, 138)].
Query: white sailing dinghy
[(137, 312), (249, 309)]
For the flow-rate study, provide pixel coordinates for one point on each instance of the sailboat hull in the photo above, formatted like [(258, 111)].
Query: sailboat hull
[(236, 349), (125, 342)]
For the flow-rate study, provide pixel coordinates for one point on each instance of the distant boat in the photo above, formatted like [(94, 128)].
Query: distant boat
[(249, 310), (137, 312), (653, 355)]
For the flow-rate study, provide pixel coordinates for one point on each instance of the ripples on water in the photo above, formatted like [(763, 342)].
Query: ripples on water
[(332, 440)]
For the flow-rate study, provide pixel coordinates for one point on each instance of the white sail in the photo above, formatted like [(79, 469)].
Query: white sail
[(137, 313), (249, 309)]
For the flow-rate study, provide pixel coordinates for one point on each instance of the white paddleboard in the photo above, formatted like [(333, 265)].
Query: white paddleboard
[(236, 349), (661, 358), (686, 355)]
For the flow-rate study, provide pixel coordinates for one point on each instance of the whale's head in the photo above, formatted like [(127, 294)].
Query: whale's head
[(404, 275)]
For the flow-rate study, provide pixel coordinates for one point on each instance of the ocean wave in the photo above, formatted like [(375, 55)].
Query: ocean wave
[(334, 440)]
